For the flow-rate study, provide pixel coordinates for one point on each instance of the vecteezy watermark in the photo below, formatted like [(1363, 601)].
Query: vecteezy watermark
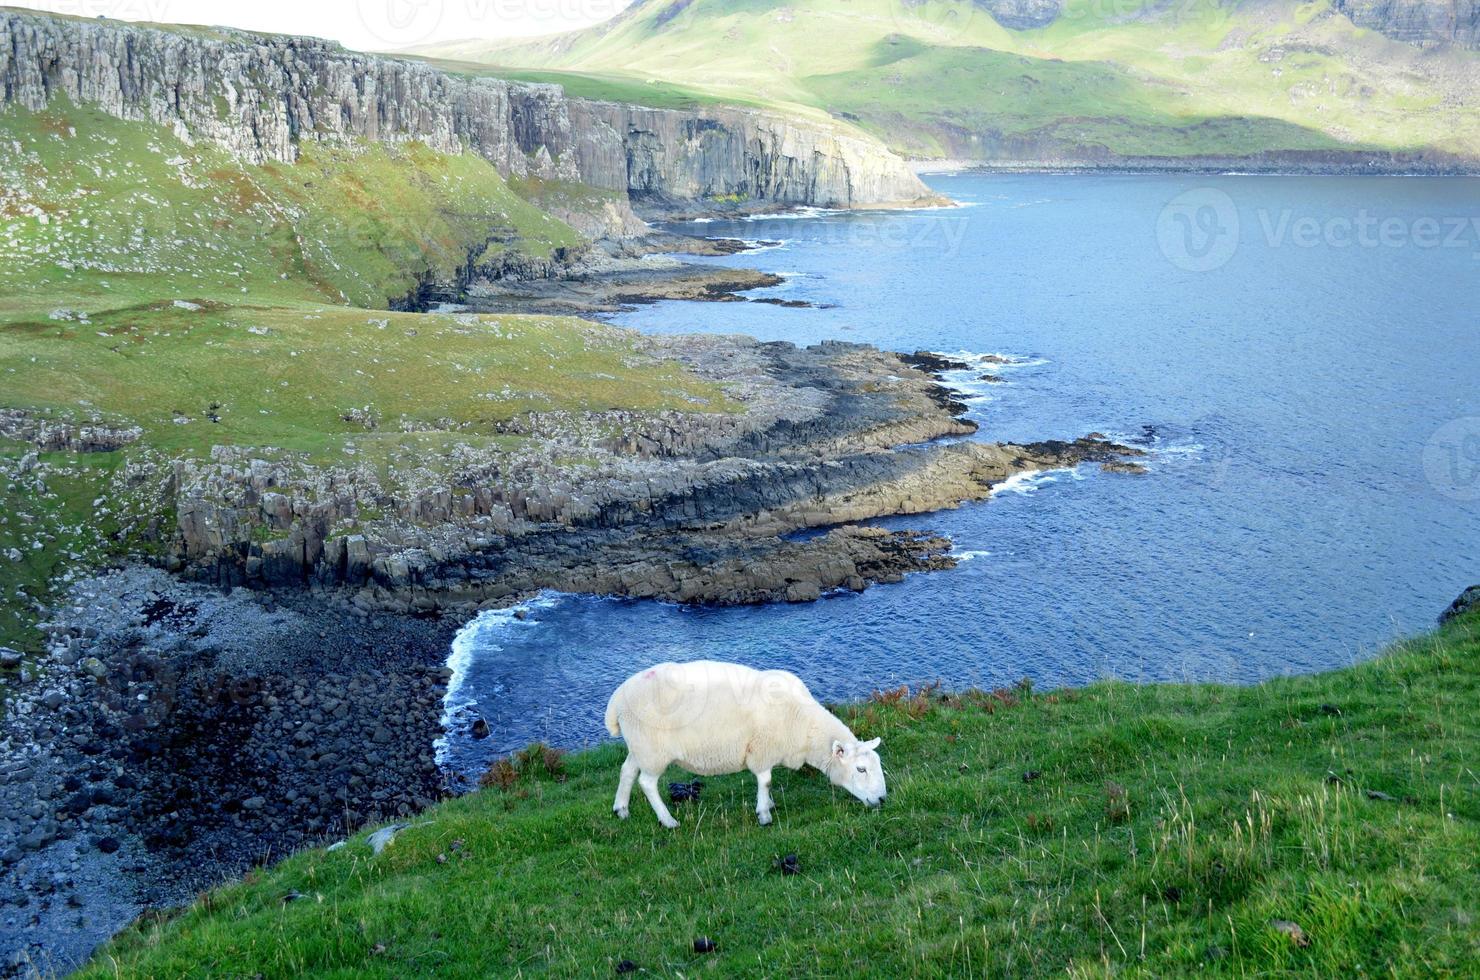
[(401, 23), (941, 232), (1451, 459), (1198, 230), (1367, 230)]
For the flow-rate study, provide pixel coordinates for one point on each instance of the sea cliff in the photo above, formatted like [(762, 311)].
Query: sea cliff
[(260, 96)]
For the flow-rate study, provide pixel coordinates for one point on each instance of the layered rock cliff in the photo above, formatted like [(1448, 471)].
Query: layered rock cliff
[(1426, 23), (259, 96)]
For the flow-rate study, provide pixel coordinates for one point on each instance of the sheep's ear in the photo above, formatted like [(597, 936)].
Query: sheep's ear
[(839, 749), (870, 745)]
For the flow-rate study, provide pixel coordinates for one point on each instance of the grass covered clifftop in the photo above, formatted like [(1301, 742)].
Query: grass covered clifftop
[(164, 288), (1323, 825)]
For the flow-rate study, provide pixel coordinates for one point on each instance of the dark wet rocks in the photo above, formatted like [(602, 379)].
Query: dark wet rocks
[(1466, 602), (616, 288), (933, 363), (192, 754)]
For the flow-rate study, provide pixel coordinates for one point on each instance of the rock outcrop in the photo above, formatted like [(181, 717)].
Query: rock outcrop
[(1022, 15), (1467, 602), (693, 507), (259, 96), (1426, 23)]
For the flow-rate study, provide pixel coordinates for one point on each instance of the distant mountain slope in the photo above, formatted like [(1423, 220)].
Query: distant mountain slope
[(1385, 84)]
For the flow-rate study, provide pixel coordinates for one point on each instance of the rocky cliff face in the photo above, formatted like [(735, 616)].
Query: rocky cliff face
[(259, 96), (732, 153), (1022, 15), (1422, 22)]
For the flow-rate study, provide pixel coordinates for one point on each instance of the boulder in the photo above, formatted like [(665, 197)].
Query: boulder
[(1467, 601)]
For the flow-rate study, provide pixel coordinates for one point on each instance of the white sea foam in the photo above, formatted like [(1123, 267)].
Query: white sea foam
[(967, 382), (1030, 481), (994, 361), (795, 214), (962, 557), (482, 633), (1160, 446), (753, 245)]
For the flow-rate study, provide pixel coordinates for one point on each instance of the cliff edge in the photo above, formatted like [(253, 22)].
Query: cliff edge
[(260, 96)]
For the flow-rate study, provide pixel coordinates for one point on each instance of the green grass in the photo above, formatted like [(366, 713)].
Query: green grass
[(1082, 103), (598, 86), (96, 209), (286, 376), (147, 282), (1169, 828), (944, 78)]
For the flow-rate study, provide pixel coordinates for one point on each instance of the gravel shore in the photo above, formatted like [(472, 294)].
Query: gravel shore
[(175, 735)]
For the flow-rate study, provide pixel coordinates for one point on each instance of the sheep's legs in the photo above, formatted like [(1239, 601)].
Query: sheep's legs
[(763, 802), (624, 787), (649, 783)]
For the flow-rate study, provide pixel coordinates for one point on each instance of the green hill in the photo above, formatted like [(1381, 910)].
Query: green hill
[(1045, 82), (1323, 825), (149, 283)]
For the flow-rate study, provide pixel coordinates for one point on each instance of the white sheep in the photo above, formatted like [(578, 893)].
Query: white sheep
[(714, 718)]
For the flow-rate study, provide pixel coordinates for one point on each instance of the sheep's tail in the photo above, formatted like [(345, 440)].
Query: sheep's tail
[(611, 716)]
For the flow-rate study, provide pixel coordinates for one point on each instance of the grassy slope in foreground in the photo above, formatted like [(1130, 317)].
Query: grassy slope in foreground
[(147, 282), (1170, 826), (943, 77)]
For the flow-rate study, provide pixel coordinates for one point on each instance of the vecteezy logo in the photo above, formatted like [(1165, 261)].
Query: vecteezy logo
[(1198, 229), (1451, 459), (400, 23)]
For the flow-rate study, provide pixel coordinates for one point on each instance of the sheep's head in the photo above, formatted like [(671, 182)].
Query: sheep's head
[(856, 768)]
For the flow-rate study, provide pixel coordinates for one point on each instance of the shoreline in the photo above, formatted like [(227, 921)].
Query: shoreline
[(152, 680), (1315, 758), (925, 167)]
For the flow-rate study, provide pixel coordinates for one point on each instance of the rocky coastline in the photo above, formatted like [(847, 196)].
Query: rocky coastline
[(269, 692)]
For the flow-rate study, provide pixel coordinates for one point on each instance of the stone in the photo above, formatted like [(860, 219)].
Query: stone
[(1466, 602), (94, 668)]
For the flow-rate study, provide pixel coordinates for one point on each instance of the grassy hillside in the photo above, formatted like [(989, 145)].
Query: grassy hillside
[(1157, 829), (944, 78), (148, 283)]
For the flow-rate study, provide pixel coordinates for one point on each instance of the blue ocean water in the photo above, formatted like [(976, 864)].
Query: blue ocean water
[(1302, 356)]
